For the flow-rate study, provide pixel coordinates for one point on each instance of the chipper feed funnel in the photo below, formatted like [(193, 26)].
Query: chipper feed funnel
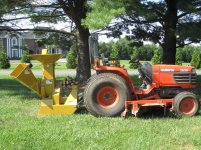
[(25, 76), (47, 88)]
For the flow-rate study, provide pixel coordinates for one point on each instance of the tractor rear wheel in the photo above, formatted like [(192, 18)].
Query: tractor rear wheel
[(186, 104), (105, 95)]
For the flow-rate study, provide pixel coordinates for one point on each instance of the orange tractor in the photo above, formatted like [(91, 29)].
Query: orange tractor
[(111, 91)]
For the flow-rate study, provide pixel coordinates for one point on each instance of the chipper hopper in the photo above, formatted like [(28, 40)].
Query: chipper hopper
[(47, 88)]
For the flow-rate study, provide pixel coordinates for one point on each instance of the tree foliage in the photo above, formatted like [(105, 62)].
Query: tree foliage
[(56, 40), (102, 13), (171, 24)]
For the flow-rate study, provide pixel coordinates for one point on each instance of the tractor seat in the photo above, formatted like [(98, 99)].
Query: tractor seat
[(146, 70)]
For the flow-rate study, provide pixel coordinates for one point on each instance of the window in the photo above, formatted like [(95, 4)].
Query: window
[(15, 53), (14, 41)]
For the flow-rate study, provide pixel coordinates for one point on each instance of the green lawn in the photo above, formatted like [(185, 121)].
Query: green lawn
[(20, 128)]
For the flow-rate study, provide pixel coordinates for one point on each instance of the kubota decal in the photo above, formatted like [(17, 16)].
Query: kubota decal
[(167, 70)]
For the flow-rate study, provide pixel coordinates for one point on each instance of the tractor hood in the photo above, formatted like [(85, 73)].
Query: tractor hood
[(173, 68)]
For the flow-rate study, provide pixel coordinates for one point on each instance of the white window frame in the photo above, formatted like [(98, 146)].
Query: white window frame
[(17, 53), (14, 41)]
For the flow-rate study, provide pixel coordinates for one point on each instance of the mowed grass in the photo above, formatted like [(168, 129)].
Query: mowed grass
[(21, 128)]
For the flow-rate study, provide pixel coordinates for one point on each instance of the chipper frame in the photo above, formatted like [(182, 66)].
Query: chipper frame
[(47, 89)]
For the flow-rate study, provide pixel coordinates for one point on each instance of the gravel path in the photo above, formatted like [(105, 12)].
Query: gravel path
[(69, 72), (59, 72)]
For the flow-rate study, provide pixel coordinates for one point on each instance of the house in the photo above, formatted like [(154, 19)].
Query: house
[(14, 42)]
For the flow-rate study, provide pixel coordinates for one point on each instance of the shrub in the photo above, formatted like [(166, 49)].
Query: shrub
[(71, 58), (115, 54), (187, 53), (179, 56), (195, 61), (135, 56), (4, 61), (25, 58), (143, 53), (157, 58)]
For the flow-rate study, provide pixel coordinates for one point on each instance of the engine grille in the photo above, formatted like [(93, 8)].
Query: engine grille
[(185, 77)]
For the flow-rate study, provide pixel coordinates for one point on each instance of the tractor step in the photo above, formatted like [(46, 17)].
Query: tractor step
[(154, 104)]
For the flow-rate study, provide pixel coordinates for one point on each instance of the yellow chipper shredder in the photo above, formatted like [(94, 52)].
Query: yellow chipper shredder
[(47, 88)]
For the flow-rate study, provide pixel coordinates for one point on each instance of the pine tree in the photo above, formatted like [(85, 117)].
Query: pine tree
[(157, 58), (71, 58), (179, 56), (115, 53), (25, 58), (195, 61)]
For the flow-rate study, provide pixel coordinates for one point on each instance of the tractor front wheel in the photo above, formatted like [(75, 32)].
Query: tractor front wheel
[(105, 95), (186, 104)]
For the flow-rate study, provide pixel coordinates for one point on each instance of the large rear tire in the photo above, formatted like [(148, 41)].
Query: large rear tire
[(186, 104), (105, 95)]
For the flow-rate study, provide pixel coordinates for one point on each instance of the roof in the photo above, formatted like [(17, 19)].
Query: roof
[(24, 34)]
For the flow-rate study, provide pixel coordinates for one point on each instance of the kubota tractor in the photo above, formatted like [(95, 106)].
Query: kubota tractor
[(111, 91)]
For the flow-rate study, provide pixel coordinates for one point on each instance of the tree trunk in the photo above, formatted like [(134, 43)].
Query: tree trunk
[(169, 46), (84, 67), (77, 10)]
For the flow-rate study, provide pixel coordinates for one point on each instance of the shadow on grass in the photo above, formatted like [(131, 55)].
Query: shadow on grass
[(13, 88), (82, 110), (156, 113)]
